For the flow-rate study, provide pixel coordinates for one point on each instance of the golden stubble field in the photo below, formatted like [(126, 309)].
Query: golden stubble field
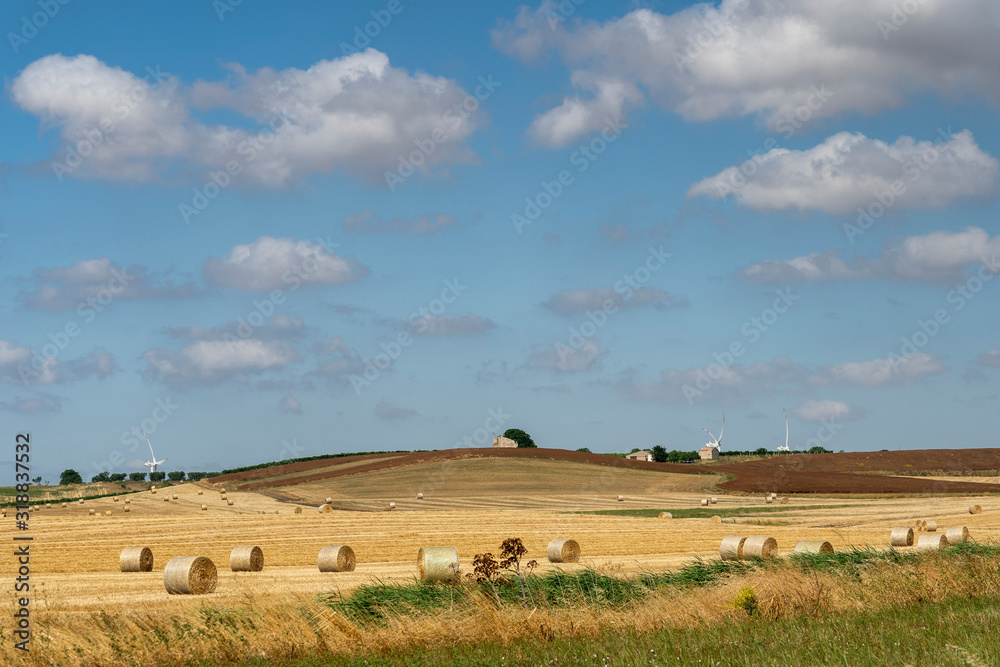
[(473, 508)]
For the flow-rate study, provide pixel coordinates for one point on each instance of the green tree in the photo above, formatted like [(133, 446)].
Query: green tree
[(157, 476), (520, 437), (585, 450), (137, 476), (660, 454), (819, 450), (103, 476), (118, 476), (70, 476), (175, 475)]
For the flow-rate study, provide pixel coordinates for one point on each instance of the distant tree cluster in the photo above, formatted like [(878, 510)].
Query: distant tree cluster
[(70, 476), (157, 476), (520, 437), (137, 476), (175, 475), (101, 477)]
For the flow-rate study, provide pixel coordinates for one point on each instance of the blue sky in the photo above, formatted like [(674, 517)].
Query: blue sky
[(713, 157)]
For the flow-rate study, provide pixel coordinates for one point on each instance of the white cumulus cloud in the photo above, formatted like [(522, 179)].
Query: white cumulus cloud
[(269, 263)]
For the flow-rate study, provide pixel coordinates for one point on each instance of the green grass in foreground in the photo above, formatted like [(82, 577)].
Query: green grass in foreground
[(710, 511), (958, 632)]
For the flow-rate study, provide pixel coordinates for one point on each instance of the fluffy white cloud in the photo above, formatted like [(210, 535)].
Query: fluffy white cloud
[(368, 222), (19, 364), (451, 325), (270, 263), (565, 359), (737, 382), (766, 58), (574, 301), (356, 113), (95, 283), (850, 171), (814, 411), (934, 257), (206, 362)]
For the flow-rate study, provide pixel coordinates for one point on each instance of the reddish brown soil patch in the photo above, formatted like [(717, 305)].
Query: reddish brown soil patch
[(804, 473)]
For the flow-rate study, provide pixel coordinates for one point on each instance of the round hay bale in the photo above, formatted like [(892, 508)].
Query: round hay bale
[(107, 512), (716, 519), (563, 551), (621, 498), (932, 542), (930, 526), (201, 492), (136, 559), (65, 505), (975, 509), (229, 502), (957, 534), (901, 537), (91, 512), (190, 575), (297, 510), (116, 499), (204, 508), (325, 509), (714, 500), (128, 500), (174, 496), (420, 496), (768, 500), (732, 547), (666, 515), (127, 508), (246, 559), (813, 547), (392, 505), (784, 500), (339, 558), (166, 500), (81, 501), (223, 497), (437, 564), (704, 502), (329, 500), (923, 525), (759, 546)]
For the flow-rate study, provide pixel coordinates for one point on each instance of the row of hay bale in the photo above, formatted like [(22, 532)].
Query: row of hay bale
[(741, 547), (197, 575), (705, 502), (771, 497), (903, 537)]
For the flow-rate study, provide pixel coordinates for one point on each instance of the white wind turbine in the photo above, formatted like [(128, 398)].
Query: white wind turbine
[(785, 448), (151, 464), (716, 443)]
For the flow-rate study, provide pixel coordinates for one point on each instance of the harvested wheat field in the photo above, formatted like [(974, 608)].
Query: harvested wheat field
[(471, 504)]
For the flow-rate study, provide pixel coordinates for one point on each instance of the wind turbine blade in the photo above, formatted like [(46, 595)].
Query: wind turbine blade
[(710, 435), (719, 441), (786, 428), (148, 443)]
